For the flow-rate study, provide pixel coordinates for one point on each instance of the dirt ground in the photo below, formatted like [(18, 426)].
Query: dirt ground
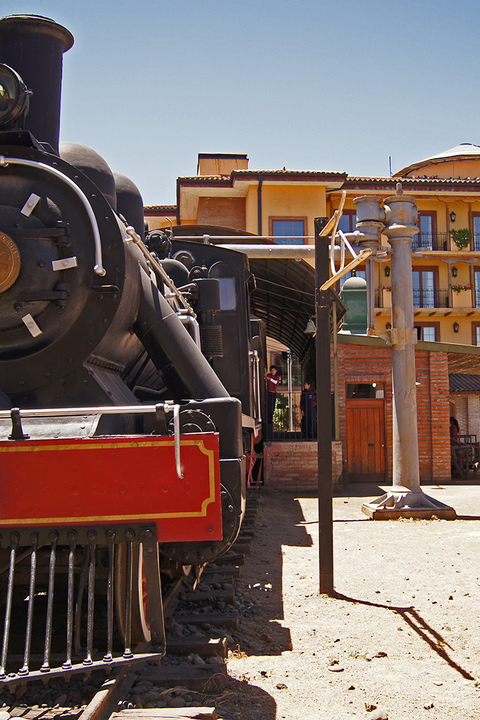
[(400, 640)]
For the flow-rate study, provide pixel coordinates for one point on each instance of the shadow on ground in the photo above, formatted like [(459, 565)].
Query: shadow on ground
[(263, 578), (419, 625), (240, 695)]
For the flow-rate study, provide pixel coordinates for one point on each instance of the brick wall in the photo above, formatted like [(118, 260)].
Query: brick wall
[(225, 212), (466, 408), (294, 464), (473, 404), (368, 364), (460, 411), (438, 419)]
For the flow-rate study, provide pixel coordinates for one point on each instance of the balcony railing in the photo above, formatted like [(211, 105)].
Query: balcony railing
[(422, 298), (430, 241), (431, 298)]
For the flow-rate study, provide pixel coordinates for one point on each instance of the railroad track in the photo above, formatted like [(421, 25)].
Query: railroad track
[(201, 624)]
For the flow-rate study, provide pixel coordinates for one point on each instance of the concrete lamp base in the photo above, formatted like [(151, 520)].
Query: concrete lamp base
[(403, 503)]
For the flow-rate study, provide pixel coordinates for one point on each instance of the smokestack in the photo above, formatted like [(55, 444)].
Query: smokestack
[(34, 46)]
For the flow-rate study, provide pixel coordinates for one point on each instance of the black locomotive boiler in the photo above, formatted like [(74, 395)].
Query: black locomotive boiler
[(125, 381)]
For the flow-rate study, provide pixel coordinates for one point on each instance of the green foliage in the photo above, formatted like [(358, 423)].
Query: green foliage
[(280, 416), (460, 288), (461, 237)]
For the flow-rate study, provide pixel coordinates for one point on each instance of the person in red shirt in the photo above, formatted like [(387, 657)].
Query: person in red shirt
[(272, 379)]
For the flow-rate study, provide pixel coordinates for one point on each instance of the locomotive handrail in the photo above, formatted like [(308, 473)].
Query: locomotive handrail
[(176, 430), (98, 267), (135, 238), (16, 416), (107, 410)]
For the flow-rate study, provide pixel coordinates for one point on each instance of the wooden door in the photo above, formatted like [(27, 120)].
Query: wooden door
[(366, 440)]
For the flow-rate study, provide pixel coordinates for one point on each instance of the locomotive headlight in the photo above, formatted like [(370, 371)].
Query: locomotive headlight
[(14, 97)]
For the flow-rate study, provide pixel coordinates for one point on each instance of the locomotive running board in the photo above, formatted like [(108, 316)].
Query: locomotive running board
[(64, 545)]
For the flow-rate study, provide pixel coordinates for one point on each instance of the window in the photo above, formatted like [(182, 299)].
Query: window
[(362, 391), (228, 297), (427, 226), (348, 221), (428, 332), (290, 231), (476, 231), (477, 287), (424, 288), (475, 333)]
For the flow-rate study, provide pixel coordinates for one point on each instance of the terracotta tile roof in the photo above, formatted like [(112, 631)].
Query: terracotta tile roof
[(266, 173), (426, 179), (284, 171), (161, 208), (349, 180), (464, 383), (208, 178)]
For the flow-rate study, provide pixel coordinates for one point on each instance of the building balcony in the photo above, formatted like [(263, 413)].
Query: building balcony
[(431, 298), (440, 241), (426, 298), (431, 241)]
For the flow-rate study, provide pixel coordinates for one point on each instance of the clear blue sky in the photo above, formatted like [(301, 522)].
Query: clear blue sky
[(334, 85)]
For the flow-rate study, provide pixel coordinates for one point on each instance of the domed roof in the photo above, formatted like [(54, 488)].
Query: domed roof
[(354, 283), (463, 151)]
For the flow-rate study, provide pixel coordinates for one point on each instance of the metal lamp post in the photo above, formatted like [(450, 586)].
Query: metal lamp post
[(397, 219)]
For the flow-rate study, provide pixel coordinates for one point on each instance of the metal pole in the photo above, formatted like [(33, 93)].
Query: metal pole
[(335, 374), (290, 391), (324, 412)]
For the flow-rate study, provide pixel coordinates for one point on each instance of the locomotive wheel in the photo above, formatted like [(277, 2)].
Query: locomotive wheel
[(140, 624)]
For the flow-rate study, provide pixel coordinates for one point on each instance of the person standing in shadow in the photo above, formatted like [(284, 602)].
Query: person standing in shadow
[(273, 380), (308, 408)]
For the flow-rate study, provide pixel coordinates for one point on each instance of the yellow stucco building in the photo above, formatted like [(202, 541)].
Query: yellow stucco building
[(227, 196)]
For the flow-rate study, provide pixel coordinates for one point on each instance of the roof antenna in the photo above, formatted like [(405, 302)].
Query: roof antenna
[(390, 165)]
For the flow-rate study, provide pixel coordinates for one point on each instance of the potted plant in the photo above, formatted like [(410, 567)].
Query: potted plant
[(461, 237)]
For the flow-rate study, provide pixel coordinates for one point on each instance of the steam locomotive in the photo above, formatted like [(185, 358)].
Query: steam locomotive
[(129, 387)]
